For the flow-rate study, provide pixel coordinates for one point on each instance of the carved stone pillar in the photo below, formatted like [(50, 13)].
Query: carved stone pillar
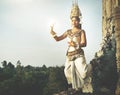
[(111, 18), (116, 18), (107, 18)]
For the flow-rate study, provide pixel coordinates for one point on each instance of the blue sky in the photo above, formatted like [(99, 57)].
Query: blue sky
[(25, 30)]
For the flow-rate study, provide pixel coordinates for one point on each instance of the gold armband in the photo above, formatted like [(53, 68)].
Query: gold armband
[(54, 35)]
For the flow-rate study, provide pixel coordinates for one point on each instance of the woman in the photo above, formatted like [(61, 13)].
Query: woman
[(76, 68)]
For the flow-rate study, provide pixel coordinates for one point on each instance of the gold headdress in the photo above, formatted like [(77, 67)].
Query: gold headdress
[(75, 11)]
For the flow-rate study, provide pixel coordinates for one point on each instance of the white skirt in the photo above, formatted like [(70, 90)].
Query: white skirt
[(77, 72)]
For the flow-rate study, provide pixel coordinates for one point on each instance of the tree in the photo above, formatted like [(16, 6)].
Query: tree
[(4, 63), (56, 81)]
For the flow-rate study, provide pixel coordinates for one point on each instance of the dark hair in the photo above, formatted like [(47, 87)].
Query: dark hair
[(80, 26)]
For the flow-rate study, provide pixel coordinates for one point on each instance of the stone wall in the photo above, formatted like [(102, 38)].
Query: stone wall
[(111, 23)]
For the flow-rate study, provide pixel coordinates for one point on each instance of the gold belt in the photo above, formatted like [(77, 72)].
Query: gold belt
[(77, 51)]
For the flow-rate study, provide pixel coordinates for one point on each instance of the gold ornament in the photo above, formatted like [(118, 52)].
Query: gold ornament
[(75, 11)]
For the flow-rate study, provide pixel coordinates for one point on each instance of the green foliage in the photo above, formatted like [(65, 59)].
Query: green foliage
[(56, 81), (30, 80)]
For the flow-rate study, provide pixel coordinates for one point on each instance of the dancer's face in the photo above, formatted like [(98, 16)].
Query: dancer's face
[(75, 22)]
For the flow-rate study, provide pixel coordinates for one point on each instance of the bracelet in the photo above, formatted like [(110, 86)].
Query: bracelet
[(54, 35)]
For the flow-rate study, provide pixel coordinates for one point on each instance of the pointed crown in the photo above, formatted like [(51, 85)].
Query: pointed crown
[(75, 11)]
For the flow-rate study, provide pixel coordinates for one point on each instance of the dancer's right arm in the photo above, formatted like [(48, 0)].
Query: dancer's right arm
[(58, 38)]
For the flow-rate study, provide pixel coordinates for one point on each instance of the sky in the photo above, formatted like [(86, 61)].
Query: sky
[(25, 30)]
